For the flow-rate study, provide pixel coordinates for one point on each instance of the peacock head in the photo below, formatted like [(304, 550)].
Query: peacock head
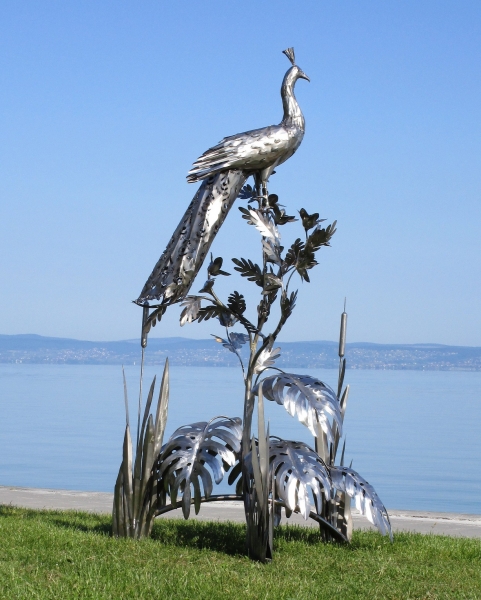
[(294, 72)]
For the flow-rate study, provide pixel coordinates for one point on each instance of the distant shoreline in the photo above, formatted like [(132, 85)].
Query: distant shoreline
[(35, 349)]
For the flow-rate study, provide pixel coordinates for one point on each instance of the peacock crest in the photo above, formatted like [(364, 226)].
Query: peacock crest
[(290, 55)]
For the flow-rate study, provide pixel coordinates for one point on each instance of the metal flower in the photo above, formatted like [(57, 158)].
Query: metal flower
[(227, 319), (215, 267), (367, 501), (309, 221), (207, 287), (183, 461), (311, 400), (235, 341)]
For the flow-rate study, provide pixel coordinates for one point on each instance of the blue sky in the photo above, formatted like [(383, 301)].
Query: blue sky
[(105, 105)]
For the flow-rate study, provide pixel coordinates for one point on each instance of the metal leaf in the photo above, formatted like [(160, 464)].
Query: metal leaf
[(162, 407), (305, 397), (191, 309), (127, 480), (249, 269), (265, 227), (297, 468), (190, 450), (246, 192), (271, 250), (266, 359), (236, 302), (367, 501), (235, 341), (136, 497)]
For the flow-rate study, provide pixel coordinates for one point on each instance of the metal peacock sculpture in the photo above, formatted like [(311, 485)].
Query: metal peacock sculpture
[(223, 170), (273, 477)]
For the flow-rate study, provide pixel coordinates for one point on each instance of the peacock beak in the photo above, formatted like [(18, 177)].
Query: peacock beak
[(302, 75)]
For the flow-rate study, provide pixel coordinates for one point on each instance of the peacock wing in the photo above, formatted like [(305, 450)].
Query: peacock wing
[(249, 151)]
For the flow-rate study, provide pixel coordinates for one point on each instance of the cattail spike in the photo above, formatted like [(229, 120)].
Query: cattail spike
[(145, 330), (126, 399), (343, 451), (342, 334)]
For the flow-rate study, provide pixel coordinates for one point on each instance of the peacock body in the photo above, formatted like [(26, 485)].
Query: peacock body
[(223, 170)]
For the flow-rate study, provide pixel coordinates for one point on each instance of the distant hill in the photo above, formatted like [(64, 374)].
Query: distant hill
[(183, 351)]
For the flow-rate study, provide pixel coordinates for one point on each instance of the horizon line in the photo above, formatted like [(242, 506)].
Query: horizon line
[(134, 340)]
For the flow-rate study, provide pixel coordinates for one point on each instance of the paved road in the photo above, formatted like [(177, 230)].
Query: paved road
[(100, 502)]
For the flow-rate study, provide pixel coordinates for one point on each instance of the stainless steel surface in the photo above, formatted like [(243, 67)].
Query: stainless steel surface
[(259, 151), (274, 472), (305, 397), (175, 271), (342, 336), (136, 498), (367, 501), (223, 170), (183, 461), (258, 487), (297, 468)]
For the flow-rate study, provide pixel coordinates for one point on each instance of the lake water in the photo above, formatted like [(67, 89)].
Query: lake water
[(414, 435)]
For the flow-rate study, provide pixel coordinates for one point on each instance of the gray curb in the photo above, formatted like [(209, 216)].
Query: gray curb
[(453, 524)]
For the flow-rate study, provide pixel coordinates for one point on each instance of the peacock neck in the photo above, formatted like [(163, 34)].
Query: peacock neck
[(292, 112)]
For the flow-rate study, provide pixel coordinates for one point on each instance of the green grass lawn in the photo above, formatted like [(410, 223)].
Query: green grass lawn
[(47, 554)]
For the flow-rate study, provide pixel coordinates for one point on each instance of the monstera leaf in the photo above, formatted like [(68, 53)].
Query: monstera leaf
[(297, 468), (183, 461), (311, 400), (367, 501)]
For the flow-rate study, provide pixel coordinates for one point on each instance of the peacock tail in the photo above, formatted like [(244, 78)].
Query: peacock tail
[(175, 271)]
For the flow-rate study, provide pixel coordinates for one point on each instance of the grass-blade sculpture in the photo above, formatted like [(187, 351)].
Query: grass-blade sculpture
[(160, 473), (269, 473), (135, 495)]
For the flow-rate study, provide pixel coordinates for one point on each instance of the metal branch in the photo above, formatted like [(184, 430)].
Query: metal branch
[(235, 498)]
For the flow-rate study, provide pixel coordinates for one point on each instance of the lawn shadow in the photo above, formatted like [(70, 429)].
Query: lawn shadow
[(298, 533), (67, 519), (225, 537), (78, 522)]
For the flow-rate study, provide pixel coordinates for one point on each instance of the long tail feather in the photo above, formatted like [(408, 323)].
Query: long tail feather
[(180, 262)]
